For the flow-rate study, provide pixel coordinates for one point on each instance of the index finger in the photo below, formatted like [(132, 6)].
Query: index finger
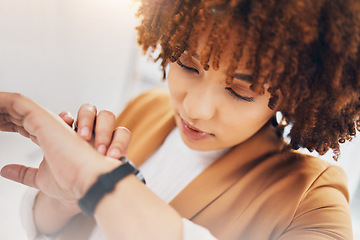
[(13, 104), (18, 110)]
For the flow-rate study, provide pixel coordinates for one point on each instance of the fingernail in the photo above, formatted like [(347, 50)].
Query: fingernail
[(114, 153), (101, 149), (84, 132), (68, 115)]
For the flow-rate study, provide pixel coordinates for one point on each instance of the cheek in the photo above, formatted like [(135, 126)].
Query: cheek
[(248, 118), (177, 84), (174, 87), (259, 114)]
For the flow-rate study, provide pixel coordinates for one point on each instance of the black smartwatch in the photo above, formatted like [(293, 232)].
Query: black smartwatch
[(106, 183)]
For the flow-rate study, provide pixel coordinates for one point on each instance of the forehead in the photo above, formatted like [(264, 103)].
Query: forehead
[(243, 75), (225, 50)]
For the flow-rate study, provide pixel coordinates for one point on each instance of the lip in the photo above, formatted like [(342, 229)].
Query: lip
[(192, 132)]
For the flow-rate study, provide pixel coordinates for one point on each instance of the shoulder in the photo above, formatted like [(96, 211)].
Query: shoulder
[(150, 104), (312, 170), (155, 97), (317, 191), (306, 174)]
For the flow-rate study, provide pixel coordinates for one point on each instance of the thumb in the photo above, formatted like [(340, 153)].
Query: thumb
[(19, 173)]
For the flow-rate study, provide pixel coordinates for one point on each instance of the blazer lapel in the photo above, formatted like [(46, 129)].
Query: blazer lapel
[(149, 134), (226, 171), (150, 118)]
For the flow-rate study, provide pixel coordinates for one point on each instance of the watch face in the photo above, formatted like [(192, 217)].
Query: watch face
[(124, 160), (140, 177), (136, 170)]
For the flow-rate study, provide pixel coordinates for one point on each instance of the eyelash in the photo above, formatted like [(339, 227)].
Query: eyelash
[(186, 67), (232, 92)]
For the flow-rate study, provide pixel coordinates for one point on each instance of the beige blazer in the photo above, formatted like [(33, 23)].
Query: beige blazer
[(258, 190)]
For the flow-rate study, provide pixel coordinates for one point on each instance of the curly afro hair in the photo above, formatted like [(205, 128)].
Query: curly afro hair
[(306, 49)]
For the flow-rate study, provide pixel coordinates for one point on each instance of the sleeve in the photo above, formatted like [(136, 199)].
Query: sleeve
[(27, 217), (193, 231), (323, 212)]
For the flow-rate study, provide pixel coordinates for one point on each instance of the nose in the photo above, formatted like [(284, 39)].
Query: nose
[(199, 103)]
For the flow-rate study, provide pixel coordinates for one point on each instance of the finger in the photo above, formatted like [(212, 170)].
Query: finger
[(67, 117), (85, 121), (10, 127), (34, 139), (25, 113), (9, 104), (120, 143), (9, 124), (105, 122), (20, 174), (6, 118)]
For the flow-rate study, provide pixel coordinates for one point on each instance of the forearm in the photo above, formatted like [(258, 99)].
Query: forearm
[(51, 215), (71, 166), (132, 211)]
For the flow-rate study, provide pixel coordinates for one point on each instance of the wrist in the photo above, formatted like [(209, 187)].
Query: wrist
[(106, 184), (91, 172), (46, 207), (68, 207)]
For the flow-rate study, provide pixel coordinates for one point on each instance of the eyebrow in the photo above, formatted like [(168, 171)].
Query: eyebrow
[(244, 77), (240, 76), (196, 56)]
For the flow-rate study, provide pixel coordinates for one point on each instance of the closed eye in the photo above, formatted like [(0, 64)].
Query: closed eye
[(236, 95), (186, 67)]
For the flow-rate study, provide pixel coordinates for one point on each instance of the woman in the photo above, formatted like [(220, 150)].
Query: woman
[(233, 65)]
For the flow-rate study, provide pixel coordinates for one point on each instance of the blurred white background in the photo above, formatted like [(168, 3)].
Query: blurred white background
[(63, 54), (66, 53)]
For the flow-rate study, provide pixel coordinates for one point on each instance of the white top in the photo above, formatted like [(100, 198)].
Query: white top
[(167, 172)]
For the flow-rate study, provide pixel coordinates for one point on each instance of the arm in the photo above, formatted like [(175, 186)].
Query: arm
[(323, 213), (46, 207), (97, 129), (74, 166)]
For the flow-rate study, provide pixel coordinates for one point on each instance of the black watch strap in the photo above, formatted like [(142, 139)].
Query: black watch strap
[(105, 183)]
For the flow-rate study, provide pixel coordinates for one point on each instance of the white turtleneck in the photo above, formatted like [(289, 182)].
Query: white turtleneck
[(174, 165)]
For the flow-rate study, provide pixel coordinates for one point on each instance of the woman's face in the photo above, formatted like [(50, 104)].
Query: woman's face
[(211, 114)]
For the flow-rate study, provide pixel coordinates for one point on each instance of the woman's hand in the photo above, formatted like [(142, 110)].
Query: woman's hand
[(69, 162), (100, 133), (74, 166), (98, 129), (49, 203)]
